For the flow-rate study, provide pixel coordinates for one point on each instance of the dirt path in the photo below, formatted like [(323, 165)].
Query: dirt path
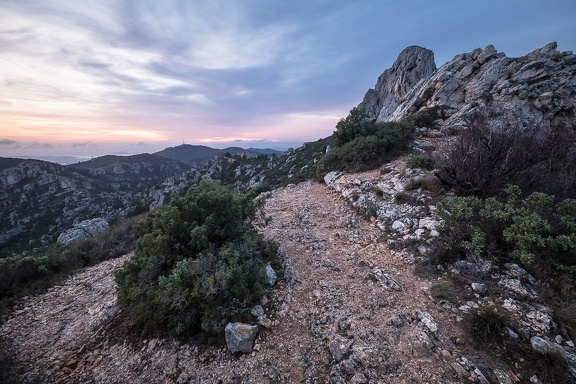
[(349, 311)]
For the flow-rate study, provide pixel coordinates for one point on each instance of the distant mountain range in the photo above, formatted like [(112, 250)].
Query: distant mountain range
[(40, 199), (198, 155)]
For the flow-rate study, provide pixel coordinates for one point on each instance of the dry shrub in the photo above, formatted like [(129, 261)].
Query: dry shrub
[(489, 155), (566, 318), (487, 324)]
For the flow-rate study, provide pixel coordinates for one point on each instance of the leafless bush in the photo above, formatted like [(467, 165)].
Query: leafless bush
[(489, 155)]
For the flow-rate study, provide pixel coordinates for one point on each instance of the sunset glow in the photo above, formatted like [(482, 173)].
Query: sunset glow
[(127, 77)]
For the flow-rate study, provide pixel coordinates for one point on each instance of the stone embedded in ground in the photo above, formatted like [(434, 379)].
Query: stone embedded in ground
[(516, 286), (271, 276), (257, 311), (240, 337), (480, 288), (331, 176), (544, 346), (427, 320)]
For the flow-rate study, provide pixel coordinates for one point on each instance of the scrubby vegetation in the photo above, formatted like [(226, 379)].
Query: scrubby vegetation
[(487, 324), (515, 188), (423, 161), (20, 276), (534, 229), (362, 143), (483, 159), (198, 263), (513, 202)]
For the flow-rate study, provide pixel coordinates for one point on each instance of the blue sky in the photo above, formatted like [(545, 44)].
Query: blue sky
[(95, 77)]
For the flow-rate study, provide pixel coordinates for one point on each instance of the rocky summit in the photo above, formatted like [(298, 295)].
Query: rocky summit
[(537, 88)]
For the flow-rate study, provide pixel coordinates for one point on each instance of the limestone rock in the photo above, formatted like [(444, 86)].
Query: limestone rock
[(427, 320), (538, 88), (331, 176), (480, 288), (412, 65), (84, 230), (257, 311), (271, 276), (240, 337)]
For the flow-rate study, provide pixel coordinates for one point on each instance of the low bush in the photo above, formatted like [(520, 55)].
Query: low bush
[(361, 153), (421, 161), (198, 263), (487, 156), (534, 229)]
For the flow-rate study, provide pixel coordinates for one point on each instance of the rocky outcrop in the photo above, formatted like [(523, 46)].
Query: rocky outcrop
[(536, 89), (84, 230), (413, 65)]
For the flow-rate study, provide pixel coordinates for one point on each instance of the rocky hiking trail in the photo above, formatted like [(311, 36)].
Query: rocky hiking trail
[(348, 310)]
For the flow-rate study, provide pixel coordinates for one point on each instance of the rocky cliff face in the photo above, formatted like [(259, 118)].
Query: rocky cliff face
[(39, 200), (414, 64), (536, 89)]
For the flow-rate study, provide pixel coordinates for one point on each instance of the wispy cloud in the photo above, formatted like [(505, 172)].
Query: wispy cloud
[(163, 71)]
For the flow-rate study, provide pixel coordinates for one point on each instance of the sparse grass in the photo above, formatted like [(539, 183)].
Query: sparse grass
[(550, 367), (427, 182), (21, 276), (566, 318), (444, 290), (372, 277), (424, 269), (378, 192), (450, 290), (405, 198), (486, 325)]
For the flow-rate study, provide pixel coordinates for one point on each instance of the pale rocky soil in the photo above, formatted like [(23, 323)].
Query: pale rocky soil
[(348, 310)]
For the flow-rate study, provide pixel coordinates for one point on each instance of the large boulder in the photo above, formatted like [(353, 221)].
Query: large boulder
[(240, 337), (84, 230)]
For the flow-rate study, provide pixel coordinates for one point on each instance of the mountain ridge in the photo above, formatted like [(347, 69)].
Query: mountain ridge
[(538, 88)]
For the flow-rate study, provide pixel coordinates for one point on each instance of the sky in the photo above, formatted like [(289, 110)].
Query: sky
[(94, 77)]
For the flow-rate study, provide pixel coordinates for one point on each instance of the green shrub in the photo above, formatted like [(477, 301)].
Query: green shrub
[(531, 229), (363, 152), (424, 118), (421, 161), (198, 263), (356, 124)]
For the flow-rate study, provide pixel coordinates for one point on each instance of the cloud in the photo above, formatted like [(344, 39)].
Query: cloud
[(159, 71), (7, 142)]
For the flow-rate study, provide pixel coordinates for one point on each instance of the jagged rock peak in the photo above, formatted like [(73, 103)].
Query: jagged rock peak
[(536, 89), (412, 65)]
